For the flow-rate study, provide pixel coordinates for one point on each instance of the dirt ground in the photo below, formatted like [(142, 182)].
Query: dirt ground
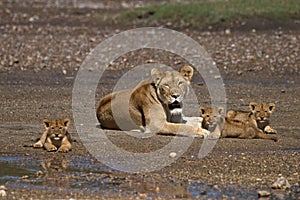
[(42, 48)]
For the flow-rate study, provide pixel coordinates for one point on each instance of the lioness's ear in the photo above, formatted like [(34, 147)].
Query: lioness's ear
[(271, 107), (202, 110), (46, 123), (156, 76), (66, 122), (252, 106), (187, 72)]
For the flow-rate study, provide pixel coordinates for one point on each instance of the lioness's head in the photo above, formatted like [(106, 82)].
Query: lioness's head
[(172, 86), (56, 128), (261, 111), (210, 116)]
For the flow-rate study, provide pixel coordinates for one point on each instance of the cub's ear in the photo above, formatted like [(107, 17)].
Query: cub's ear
[(187, 72), (221, 110), (252, 106), (156, 75), (66, 122), (46, 123), (271, 107)]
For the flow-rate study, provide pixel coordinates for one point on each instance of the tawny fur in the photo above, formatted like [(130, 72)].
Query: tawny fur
[(233, 128), (153, 105), (56, 136)]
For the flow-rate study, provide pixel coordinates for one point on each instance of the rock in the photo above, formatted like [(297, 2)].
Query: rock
[(3, 193), (263, 193), (173, 154), (2, 187), (227, 31), (281, 183)]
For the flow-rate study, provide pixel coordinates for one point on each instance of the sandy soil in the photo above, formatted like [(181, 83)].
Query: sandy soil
[(42, 48)]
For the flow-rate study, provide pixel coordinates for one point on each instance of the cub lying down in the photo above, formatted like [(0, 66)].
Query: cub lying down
[(154, 105), (231, 127), (56, 136), (259, 116)]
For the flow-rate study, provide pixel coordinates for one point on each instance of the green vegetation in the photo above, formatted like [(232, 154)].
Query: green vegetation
[(203, 13)]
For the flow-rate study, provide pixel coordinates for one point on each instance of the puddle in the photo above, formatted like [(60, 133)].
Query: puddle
[(83, 174), (205, 191)]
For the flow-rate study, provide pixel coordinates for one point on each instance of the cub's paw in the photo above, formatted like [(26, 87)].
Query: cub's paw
[(38, 144), (63, 149), (51, 148)]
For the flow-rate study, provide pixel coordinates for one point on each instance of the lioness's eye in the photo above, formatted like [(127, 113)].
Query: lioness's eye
[(166, 85), (180, 82)]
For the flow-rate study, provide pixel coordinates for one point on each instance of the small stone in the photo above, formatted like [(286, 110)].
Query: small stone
[(263, 193), (64, 71), (38, 173), (227, 31), (143, 195), (203, 192), (172, 154), (2, 193), (25, 177), (2, 187), (281, 183)]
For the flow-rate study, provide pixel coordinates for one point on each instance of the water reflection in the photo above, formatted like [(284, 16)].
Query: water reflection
[(54, 171)]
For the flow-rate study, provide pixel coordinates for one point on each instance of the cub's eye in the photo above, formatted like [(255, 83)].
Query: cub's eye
[(60, 128), (52, 128)]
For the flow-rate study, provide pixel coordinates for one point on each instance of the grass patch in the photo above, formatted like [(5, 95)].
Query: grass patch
[(200, 14)]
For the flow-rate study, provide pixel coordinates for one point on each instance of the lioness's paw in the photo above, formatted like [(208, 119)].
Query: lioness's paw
[(269, 130), (38, 144), (63, 149), (202, 133)]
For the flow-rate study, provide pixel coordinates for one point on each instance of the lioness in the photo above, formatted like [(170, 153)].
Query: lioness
[(259, 116), (232, 127), (56, 136), (154, 105)]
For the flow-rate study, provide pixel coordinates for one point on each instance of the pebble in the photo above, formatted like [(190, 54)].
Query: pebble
[(281, 183), (227, 31), (263, 193), (173, 154), (3, 193)]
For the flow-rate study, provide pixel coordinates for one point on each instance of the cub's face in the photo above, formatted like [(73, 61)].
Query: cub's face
[(57, 129), (210, 116), (262, 112), (172, 86)]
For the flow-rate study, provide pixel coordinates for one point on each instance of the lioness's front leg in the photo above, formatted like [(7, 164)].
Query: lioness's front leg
[(156, 121), (180, 129), (270, 130)]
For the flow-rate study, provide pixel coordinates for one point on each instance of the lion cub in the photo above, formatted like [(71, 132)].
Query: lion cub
[(259, 115), (231, 127), (56, 136)]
